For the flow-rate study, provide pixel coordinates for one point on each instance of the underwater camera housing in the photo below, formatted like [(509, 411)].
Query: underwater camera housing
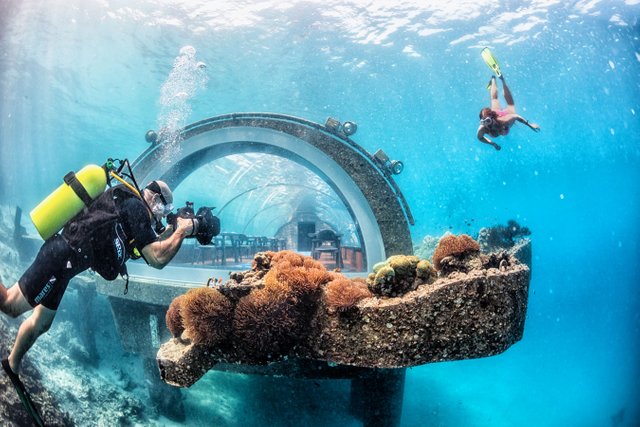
[(205, 224)]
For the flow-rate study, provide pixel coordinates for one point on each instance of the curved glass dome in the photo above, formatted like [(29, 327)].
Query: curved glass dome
[(278, 182), (267, 202), (261, 194)]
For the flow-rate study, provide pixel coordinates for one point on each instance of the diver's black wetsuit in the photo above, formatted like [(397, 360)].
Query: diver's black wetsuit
[(46, 280)]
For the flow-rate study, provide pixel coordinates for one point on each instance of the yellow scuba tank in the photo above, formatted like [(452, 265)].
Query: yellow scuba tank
[(77, 191)]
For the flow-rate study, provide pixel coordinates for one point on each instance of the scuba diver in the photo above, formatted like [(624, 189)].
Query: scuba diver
[(119, 224), (496, 121)]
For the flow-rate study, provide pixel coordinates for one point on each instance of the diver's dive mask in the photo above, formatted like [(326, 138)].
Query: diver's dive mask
[(161, 205), (161, 209)]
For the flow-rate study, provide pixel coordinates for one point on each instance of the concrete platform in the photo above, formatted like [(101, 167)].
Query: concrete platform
[(463, 316)]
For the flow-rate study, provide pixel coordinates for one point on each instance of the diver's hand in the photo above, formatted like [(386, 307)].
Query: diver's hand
[(534, 127), (184, 226), (496, 146)]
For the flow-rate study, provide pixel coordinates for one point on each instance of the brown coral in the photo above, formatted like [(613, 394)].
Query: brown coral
[(269, 321), (453, 245), (343, 294), (265, 324), (206, 315), (261, 261), (173, 317)]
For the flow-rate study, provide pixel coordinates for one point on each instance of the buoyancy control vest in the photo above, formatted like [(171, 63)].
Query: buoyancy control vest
[(98, 234)]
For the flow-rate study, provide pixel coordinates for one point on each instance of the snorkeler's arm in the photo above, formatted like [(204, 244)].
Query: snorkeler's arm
[(159, 253), (482, 138), (534, 127)]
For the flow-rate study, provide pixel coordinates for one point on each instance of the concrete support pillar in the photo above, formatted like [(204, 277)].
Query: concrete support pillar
[(166, 399), (377, 399), (87, 327), (141, 330)]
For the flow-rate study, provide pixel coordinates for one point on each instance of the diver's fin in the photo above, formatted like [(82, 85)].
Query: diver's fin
[(23, 394), (491, 61)]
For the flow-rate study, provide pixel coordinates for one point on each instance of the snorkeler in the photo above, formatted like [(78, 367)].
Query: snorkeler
[(90, 240), (496, 121)]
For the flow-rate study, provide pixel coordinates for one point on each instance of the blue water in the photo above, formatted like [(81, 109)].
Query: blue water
[(81, 81)]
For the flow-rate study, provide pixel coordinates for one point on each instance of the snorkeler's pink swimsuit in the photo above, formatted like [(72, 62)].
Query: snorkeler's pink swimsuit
[(505, 128)]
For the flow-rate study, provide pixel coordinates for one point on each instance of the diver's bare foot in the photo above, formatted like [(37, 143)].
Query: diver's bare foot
[(15, 368)]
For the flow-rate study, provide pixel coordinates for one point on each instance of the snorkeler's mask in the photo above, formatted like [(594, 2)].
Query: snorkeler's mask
[(487, 121)]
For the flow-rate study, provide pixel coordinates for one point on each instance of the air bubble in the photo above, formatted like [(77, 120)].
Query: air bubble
[(185, 78), (188, 51)]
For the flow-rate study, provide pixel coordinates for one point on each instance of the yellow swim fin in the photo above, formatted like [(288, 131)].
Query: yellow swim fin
[(491, 61)]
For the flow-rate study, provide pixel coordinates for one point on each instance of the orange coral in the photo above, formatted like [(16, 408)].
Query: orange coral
[(274, 282), (294, 258), (302, 280), (343, 294), (312, 263), (206, 315), (318, 276), (453, 245), (332, 275), (282, 265), (362, 280), (173, 317), (299, 275), (294, 277)]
